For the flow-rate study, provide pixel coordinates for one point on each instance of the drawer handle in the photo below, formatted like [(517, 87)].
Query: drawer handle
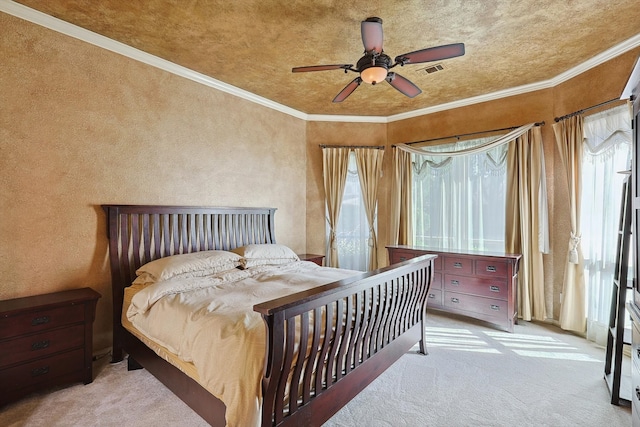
[(403, 258), (638, 392), (39, 371), (39, 345), (495, 307), (455, 300), (494, 288), (638, 352), (491, 268), (457, 265), (432, 296), (455, 282), (40, 320)]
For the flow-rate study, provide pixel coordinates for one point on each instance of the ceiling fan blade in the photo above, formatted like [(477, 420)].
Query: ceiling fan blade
[(371, 29), (321, 68), (403, 85), (348, 89), (431, 54)]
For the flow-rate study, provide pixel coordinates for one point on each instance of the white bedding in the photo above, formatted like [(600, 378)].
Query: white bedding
[(210, 322)]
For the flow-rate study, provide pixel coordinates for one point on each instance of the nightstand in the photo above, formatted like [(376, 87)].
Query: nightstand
[(46, 340), (318, 259)]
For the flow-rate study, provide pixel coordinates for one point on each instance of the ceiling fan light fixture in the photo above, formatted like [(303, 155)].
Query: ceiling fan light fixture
[(373, 74)]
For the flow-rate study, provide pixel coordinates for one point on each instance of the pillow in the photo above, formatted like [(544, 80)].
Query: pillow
[(195, 264), (265, 254), (144, 279)]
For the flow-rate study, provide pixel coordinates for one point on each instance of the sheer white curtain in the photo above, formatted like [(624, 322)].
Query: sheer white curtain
[(459, 202), (607, 151), (352, 231)]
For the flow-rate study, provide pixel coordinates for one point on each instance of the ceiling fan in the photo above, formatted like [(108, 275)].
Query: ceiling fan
[(374, 66)]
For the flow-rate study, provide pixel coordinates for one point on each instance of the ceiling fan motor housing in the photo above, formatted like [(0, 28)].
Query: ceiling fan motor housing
[(373, 67), (373, 60)]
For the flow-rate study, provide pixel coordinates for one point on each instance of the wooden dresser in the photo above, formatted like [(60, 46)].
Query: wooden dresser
[(46, 340), (632, 92), (482, 285)]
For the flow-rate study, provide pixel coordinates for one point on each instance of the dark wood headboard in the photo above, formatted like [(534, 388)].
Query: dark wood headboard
[(139, 234)]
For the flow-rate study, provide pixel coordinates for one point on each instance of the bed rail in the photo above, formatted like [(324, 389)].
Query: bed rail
[(368, 320)]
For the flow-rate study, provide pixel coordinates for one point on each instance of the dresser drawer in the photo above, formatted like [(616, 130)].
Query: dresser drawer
[(398, 255), (495, 288), (36, 321), (457, 265), (43, 369), (40, 345), (436, 282), (487, 306), (491, 268), (434, 298)]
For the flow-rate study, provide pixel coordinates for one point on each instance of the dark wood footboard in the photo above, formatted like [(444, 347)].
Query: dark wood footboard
[(352, 331)]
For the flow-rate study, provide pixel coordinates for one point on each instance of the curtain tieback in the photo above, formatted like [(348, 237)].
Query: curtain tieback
[(574, 241), (371, 233), (332, 240)]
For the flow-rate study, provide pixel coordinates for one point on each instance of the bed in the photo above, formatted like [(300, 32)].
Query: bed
[(353, 328)]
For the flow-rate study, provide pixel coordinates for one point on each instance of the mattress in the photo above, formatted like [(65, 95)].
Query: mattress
[(187, 367), (206, 326)]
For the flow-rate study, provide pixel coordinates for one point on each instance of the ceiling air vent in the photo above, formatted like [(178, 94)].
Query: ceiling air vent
[(434, 68)]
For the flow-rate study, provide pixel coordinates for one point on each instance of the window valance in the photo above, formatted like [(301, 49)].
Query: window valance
[(480, 148)]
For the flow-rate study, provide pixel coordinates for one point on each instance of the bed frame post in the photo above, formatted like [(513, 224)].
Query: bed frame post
[(423, 340), (118, 297)]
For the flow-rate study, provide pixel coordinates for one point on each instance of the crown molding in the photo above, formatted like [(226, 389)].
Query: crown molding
[(71, 30), (349, 119)]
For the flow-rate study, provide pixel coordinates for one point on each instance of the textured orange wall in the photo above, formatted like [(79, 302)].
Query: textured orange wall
[(81, 126)]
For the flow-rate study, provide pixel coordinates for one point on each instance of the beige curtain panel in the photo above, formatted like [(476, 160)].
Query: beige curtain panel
[(335, 162), (569, 135), (526, 220), (369, 163), (401, 232)]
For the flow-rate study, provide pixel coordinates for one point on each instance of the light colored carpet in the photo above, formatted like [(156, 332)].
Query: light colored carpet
[(474, 375)]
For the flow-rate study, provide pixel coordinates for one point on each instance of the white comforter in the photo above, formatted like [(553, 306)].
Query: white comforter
[(210, 321)]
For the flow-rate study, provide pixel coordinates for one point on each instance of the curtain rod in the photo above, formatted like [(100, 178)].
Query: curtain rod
[(377, 147), (575, 113), (470, 134)]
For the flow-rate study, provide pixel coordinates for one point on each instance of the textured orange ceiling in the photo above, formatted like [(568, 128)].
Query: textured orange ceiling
[(253, 44)]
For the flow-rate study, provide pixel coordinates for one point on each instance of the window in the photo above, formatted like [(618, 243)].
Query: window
[(607, 152), (352, 231), (459, 202)]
